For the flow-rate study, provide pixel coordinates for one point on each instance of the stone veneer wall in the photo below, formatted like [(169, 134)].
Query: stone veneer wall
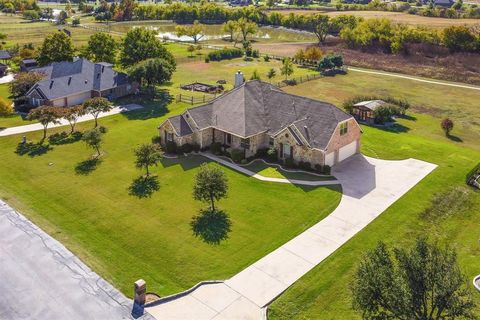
[(300, 153)]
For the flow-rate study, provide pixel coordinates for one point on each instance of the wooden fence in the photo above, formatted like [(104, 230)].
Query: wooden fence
[(193, 100)]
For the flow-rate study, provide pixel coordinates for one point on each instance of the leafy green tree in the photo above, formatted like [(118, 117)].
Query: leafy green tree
[(423, 283), (101, 47), (45, 115), (191, 50), (459, 38), (23, 82), (31, 15), (196, 31), (211, 185), (5, 107), (62, 17), (97, 105), (270, 3), (71, 114), (147, 155), (152, 72), (246, 28), (55, 48), (230, 27), (93, 138), (319, 25), (287, 68), (142, 44), (271, 74)]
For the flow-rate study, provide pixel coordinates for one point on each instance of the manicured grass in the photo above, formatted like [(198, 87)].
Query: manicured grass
[(274, 172), (324, 292), (13, 120), (125, 238)]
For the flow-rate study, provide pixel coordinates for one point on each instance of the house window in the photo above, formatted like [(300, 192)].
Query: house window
[(287, 151), (169, 136), (343, 128), (271, 141), (245, 143)]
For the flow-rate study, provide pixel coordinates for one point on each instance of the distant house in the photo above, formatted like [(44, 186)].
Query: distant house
[(71, 83), (28, 64), (3, 70), (364, 110), (5, 55), (257, 115), (441, 3)]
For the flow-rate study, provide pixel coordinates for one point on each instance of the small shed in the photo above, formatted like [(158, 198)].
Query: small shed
[(364, 110), (28, 64), (5, 55)]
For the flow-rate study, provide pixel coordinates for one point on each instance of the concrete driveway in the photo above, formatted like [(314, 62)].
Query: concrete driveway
[(369, 185), (40, 279)]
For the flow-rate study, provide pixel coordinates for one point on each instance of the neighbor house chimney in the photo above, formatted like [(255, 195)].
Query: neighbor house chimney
[(239, 79)]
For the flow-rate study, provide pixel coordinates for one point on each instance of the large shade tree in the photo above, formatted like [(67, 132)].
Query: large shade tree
[(142, 44), (46, 115), (23, 82), (147, 155), (423, 283), (152, 72), (101, 47), (196, 31), (211, 185), (97, 105), (55, 48)]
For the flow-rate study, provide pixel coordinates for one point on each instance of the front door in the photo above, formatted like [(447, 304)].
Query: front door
[(287, 152)]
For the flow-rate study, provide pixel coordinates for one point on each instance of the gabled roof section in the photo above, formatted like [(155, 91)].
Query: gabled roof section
[(68, 78), (181, 126), (257, 107)]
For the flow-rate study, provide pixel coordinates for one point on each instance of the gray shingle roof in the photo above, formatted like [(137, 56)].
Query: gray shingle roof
[(257, 107), (180, 125), (68, 78), (5, 55)]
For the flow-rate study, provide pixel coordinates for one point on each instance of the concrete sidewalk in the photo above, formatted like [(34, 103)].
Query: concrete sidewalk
[(41, 279), (369, 186), (63, 122)]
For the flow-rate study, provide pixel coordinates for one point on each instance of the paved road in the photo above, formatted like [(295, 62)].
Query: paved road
[(369, 185), (63, 122), (397, 75), (41, 280)]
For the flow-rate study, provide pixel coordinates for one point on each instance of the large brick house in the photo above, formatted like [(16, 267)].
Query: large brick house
[(258, 115), (70, 83)]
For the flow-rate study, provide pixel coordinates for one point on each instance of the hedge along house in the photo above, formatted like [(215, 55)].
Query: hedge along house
[(70, 83), (256, 115)]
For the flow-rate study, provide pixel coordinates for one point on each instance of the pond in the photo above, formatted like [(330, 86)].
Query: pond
[(214, 33)]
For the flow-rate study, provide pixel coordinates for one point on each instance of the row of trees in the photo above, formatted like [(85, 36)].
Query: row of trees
[(357, 32)]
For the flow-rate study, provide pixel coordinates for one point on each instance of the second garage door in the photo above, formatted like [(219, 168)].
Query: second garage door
[(347, 151)]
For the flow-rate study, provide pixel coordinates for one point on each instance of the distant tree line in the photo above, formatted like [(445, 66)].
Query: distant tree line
[(355, 31)]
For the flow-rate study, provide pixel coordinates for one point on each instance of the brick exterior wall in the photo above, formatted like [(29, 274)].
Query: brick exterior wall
[(337, 141), (300, 153)]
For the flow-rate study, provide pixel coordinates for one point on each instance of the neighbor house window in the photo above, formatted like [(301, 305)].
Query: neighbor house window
[(169, 136), (343, 128), (245, 143), (227, 139), (271, 141)]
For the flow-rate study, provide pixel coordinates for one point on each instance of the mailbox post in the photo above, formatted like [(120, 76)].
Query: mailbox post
[(140, 288)]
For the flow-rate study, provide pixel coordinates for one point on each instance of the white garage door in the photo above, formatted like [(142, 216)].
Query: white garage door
[(330, 159), (347, 151)]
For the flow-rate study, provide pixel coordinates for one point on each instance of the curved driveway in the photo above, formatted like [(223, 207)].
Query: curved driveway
[(369, 185)]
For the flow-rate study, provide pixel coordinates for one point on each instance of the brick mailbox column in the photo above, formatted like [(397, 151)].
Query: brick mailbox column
[(140, 287)]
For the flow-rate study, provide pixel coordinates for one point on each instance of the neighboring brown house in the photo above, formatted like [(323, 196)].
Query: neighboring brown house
[(257, 115), (364, 111), (70, 83)]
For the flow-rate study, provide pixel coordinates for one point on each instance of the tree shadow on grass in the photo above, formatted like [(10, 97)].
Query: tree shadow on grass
[(144, 187), (64, 138), (32, 149), (454, 138), (153, 107), (211, 226), (86, 167)]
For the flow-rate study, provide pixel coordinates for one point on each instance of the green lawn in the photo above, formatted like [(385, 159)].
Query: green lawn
[(125, 238), (274, 172), (324, 292), (13, 120)]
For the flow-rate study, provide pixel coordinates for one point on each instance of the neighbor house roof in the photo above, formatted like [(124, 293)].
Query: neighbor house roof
[(69, 78), (370, 104), (257, 107), (5, 55)]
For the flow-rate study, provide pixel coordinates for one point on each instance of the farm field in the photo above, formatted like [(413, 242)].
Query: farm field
[(398, 17)]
